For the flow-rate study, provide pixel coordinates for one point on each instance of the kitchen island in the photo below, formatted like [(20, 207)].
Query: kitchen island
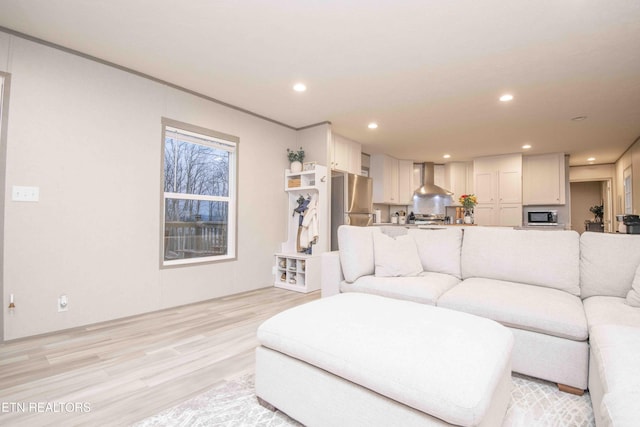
[(421, 226)]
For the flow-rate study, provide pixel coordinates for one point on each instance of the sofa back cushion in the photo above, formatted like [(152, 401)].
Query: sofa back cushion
[(439, 250), (633, 297), (395, 257), (356, 251), (535, 257), (608, 263)]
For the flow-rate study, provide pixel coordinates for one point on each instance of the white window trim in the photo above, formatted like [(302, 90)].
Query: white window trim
[(220, 140), (628, 191)]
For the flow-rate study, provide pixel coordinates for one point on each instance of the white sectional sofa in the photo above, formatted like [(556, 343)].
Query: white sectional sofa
[(610, 282), (557, 291)]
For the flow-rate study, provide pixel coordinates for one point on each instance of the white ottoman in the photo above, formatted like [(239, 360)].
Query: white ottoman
[(358, 359)]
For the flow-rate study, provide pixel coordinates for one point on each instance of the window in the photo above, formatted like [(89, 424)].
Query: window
[(199, 182), (628, 205)]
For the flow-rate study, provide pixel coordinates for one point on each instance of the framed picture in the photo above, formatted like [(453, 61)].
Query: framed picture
[(308, 166)]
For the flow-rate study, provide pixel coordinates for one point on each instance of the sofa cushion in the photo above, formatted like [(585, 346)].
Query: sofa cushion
[(395, 257), (439, 250), (356, 251), (424, 289), (620, 408), (633, 296), (534, 257), (532, 308), (615, 350), (610, 311), (608, 263)]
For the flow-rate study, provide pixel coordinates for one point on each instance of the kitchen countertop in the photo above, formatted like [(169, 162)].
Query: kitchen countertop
[(389, 224)]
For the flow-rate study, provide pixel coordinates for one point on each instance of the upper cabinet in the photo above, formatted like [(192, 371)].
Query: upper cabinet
[(346, 155), (458, 178), (384, 171), (498, 187), (543, 179), (406, 183), (393, 180)]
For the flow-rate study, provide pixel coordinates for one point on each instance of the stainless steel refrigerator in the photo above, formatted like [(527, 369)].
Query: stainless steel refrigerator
[(351, 203)]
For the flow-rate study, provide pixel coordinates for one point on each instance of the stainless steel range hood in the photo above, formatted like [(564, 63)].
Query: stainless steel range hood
[(428, 187)]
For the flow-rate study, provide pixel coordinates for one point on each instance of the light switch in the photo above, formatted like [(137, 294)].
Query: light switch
[(25, 194)]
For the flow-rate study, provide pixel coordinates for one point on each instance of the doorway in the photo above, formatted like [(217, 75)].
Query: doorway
[(586, 194)]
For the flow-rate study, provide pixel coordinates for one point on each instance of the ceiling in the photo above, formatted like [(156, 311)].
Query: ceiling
[(428, 72)]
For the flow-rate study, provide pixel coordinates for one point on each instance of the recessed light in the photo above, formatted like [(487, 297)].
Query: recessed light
[(299, 87), (446, 156), (579, 118), (506, 97), (591, 159), (526, 146), (372, 125)]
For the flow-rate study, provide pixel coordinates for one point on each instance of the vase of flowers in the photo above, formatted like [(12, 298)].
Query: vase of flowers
[(468, 202), (296, 158)]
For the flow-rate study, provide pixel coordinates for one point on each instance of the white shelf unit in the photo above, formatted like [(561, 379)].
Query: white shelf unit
[(307, 183), (297, 272), (300, 181)]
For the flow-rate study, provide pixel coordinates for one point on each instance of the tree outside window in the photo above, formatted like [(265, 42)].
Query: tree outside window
[(199, 195)]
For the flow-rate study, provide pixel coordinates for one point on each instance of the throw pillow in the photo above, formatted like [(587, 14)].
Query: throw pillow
[(633, 297), (395, 257)]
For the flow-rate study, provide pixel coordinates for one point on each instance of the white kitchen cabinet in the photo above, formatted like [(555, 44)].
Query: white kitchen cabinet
[(346, 155), (498, 188), (458, 178), (486, 187), (510, 214), (484, 214), (510, 186), (406, 184), (384, 171), (543, 179), (438, 175)]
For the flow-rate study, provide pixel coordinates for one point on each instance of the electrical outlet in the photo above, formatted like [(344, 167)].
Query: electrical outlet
[(63, 303)]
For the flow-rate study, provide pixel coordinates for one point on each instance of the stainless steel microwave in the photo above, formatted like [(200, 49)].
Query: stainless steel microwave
[(542, 217)]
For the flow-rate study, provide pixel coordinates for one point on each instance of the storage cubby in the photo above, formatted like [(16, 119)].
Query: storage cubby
[(297, 272), (300, 180)]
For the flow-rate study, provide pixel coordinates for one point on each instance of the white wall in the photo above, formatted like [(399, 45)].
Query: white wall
[(90, 137), (316, 141), (4, 50), (592, 172)]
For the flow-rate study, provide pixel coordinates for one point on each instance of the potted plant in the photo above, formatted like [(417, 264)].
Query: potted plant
[(296, 158), (598, 212), (468, 202)]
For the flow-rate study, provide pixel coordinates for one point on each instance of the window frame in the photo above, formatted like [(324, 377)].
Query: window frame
[(232, 198), (627, 184)]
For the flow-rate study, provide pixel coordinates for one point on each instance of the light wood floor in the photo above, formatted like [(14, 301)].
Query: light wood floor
[(129, 369)]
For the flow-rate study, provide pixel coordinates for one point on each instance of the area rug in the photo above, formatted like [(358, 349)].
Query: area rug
[(233, 403)]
